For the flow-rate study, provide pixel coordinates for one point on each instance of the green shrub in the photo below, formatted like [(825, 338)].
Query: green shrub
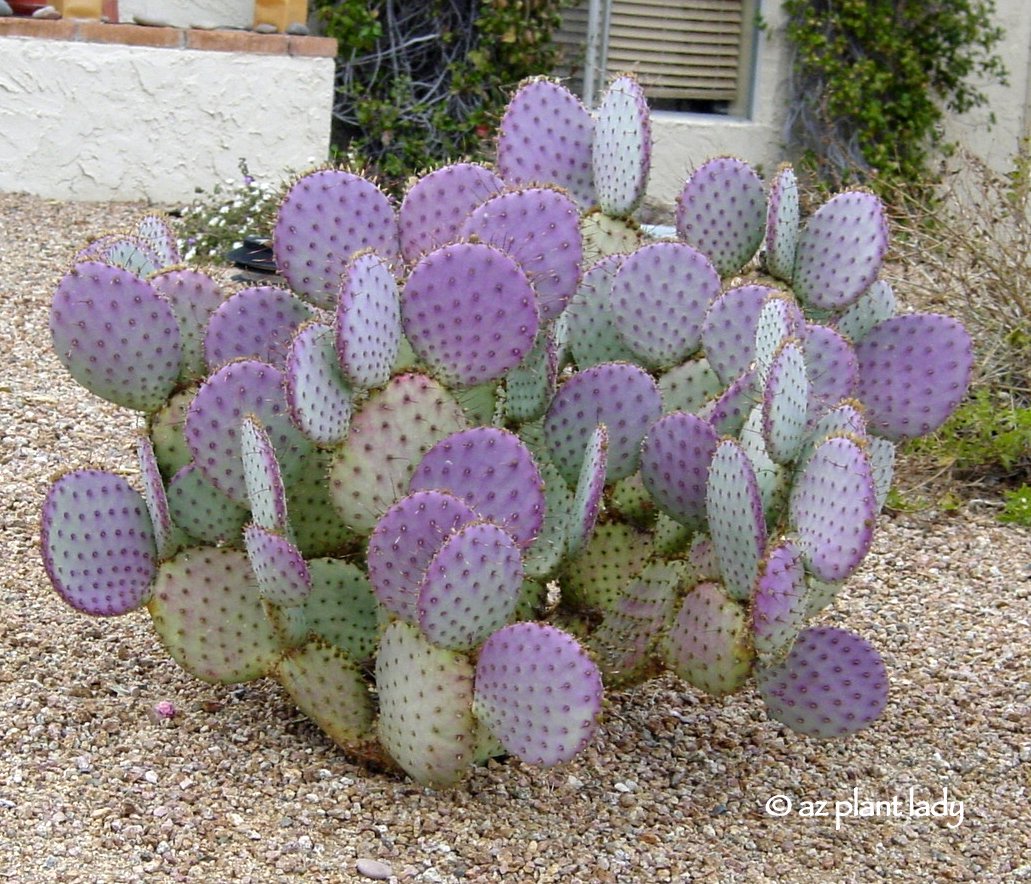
[(421, 84), (872, 79)]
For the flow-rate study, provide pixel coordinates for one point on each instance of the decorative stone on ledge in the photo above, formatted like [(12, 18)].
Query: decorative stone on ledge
[(214, 40), (98, 111)]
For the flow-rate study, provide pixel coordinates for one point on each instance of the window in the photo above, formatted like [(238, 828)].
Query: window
[(690, 55)]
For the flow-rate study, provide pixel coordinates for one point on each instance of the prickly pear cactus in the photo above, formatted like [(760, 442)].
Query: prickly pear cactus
[(491, 450)]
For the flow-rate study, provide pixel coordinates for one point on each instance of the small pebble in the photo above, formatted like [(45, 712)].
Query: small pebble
[(5, 9), (266, 29), (298, 30), (374, 869), (47, 12)]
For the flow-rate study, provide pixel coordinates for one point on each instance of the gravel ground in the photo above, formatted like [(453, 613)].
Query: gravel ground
[(240, 787)]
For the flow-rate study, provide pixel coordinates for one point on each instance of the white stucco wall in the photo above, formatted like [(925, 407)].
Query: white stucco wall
[(683, 141), (190, 13), (1011, 103), (92, 121)]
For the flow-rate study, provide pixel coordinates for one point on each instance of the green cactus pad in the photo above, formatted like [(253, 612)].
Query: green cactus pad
[(204, 512), (873, 306), (395, 427), (624, 641), (819, 594), (779, 601), (604, 235), (689, 386), (125, 251), (615, 555), (782, 224), (279, 568), (318, 395), (208, 614), (289, 622), (167, 430), (779, 319), (882, 462), (318, 527), (470, 587), (621, 396), (425, 706), (116, 336), (721, 211), (772, 478), (193, 296), (785, 403), (621, 155), (531, 384), (734, 510), (328, 687), (98, 543), (593, 338), (548, 549), (708, 644), (538, 692), (368, 321), (157, 233), (341, 608)]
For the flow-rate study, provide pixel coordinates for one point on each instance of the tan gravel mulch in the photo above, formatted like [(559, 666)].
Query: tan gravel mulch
[(238, 786)]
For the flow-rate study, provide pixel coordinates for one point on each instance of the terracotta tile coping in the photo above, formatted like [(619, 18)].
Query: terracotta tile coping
[(170, 38)]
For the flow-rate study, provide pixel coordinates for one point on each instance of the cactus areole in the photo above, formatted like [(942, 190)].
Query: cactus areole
[(364, 485)]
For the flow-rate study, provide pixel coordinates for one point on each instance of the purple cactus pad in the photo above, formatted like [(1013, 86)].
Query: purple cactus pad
[(116, 336), (213, 424), (589, 489), (437, 205), (721, 212), (728, 331), (279, 568), (675, 458), (157, 233), (493, 472), (318, 395), (831, 366), (623, 397), (840, 250), (913, 372), (546, 137), (785, 400), (98, 543), (782, 223), (404, 541), (265, 490), (734, 509), (255, 323), (368, 321), (193, 296), (832, 684), (592, 334), (832, 508), (779, 602), (540, 228), (470, 313), (659, 298), (166, 538), (621, 155), (538, 692), (325, 218), (470, 587)]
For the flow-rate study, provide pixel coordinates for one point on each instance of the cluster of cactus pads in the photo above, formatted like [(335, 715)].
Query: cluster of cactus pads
[(494, 449)]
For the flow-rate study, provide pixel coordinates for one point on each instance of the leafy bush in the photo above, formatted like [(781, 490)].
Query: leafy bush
[(872, 79), (420, 84)]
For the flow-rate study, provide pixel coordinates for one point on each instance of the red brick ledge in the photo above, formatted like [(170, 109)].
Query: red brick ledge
[(170, 38)]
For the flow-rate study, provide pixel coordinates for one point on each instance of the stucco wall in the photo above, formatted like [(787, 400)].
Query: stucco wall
[(190, 13), (90, 121), (683, 141)]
